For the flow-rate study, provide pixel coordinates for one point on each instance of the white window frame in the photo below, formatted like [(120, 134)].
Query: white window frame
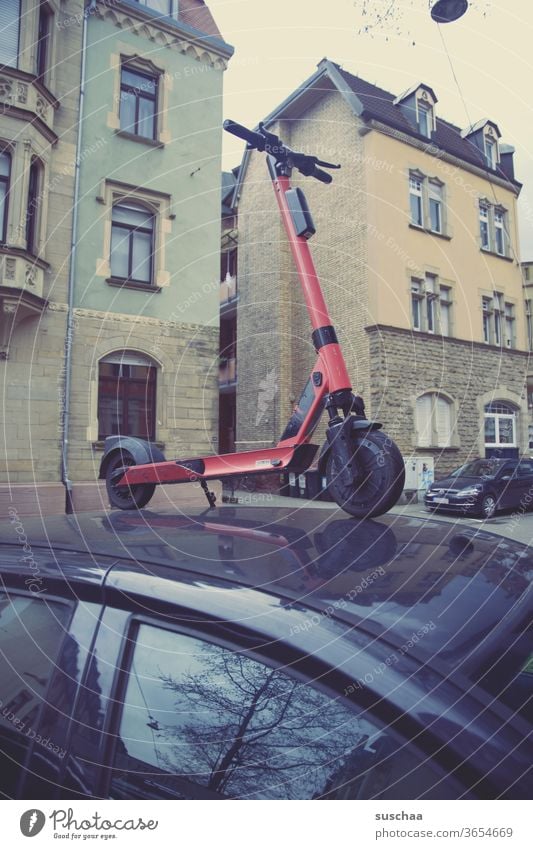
[(423, 108), (484, 226), (428, 296), (493, 228), (509, 322), (424, 193), (499, 418), (416, 182), (436, 197)]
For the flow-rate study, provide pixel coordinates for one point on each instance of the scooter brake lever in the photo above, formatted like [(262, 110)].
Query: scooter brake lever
[(326, 164)]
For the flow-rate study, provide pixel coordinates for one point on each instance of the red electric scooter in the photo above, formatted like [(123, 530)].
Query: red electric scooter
[(363, 467)]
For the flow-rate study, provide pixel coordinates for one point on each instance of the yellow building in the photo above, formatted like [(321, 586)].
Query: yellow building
[(417, 250)]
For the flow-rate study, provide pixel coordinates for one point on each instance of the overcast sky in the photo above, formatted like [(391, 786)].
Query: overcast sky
[(279, 43)]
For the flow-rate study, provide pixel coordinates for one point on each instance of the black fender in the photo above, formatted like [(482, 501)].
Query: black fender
[(141, 451), (357, 424)]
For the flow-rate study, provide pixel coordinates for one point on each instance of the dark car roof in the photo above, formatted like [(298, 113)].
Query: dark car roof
[(389, 578)]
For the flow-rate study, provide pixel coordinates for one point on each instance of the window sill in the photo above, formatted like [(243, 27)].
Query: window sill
[(494, 253), (141, 139), (119, 283), (429, 232)]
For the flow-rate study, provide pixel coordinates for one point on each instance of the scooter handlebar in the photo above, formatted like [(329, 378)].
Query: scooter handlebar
[(254, 139), (323, 176)]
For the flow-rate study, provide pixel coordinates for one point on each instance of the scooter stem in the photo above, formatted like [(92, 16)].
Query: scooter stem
[(324, 336)]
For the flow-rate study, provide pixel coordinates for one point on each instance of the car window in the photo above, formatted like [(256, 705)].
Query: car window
[(525, 469), (202, 721), (31, 631)]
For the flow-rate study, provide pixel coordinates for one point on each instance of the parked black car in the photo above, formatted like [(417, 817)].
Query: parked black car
[(258, 653), (483, 486)]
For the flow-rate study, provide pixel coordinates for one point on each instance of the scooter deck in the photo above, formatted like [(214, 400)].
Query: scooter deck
[(264, 460)]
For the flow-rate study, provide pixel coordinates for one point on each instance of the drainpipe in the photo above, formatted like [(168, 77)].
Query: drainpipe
[(88, 10)]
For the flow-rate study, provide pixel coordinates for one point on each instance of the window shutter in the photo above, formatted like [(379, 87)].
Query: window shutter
[(9, 32), (443, 410), (423, 420)]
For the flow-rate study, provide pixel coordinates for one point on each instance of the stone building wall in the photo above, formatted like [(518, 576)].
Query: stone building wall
[(407, 364), (186, 357)]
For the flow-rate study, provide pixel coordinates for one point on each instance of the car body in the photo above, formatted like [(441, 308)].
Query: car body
[(483, 486), (262, 653)]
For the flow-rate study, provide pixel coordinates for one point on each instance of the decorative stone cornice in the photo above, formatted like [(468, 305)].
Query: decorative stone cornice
[(132, 320), (162, 34)]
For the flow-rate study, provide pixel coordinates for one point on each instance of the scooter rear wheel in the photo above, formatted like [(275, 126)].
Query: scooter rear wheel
[(126, 497), (380, 476)]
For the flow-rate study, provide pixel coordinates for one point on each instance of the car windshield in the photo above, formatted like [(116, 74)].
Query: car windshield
[(478, 469)]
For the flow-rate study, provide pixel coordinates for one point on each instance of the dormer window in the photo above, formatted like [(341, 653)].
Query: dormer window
[(484, 135), (425, 118), (417, 105), (491, 150)]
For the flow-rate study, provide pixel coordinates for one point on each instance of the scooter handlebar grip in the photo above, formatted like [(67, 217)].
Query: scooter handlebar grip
[(254, 139), (323, 176)]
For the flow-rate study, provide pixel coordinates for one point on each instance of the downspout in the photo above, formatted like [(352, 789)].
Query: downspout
[(88, 10)]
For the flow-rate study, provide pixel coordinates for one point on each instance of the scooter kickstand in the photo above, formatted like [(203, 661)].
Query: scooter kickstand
[(211, 497)]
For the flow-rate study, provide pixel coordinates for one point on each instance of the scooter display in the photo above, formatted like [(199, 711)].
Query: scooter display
[(363, 467)]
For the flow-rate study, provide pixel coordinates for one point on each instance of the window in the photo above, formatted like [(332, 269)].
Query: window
[(493, 228), (484, 226), (509, 325), (529, 324), (433, 421), (132, 243), (431, 305), (10, 17), (201, 721), (435, 206), (445, 307), (415, 196), (499, 232), (43, 40), (497, 318), (491, 153), (5, 172), (500, 425), (126, 396), (31, 633), (138, 103), (417, 296), (425, 119), (430, 286), (426, 199), (32, 210)]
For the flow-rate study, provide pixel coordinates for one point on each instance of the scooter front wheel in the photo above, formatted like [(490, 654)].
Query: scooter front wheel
[(126, 497), (379, 476)]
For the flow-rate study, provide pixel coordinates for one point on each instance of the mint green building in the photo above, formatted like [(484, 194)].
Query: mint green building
[(147, 238)]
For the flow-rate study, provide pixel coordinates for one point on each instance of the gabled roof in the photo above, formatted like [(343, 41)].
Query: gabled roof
[(371, 103)]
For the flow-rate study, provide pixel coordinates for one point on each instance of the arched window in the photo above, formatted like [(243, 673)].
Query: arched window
[(132, 242), (127, 395), (434, 420), (500, 425)]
